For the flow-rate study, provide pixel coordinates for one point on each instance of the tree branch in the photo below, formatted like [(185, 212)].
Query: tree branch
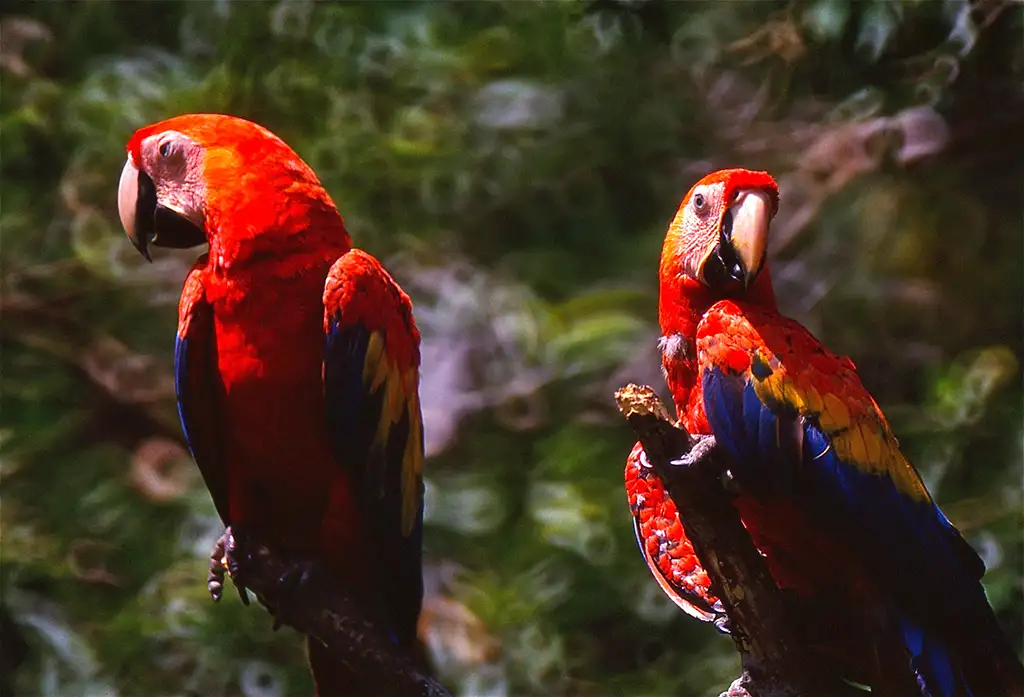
[(323, 612), (692, 470)]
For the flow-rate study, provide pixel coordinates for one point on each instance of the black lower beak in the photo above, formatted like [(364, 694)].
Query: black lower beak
[(145, 215), (159, 225), (175, 231), (724, 270)]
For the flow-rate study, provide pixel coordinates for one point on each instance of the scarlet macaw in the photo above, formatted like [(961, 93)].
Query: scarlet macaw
[(296, 362), (841, 516)]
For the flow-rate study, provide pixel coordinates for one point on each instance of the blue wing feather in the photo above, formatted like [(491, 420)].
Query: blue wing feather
[(909, 547), (352, 411), (196, 384), (374, 436), (908, 542)]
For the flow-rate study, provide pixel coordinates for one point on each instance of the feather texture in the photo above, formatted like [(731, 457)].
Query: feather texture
[(371, 381), (663, 543), (877, 578), (198, 388), (801, 426), (297, 371)]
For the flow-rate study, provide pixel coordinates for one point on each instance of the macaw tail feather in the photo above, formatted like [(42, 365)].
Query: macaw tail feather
[(331, 677), (334, 678), (980, 663), (991, 666), (936, 673)]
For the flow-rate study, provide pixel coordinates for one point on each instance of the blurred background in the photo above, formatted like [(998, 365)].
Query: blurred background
[(516, 165)]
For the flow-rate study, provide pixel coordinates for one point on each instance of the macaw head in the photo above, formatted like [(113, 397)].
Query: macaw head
[(204, 178), (719, 236)]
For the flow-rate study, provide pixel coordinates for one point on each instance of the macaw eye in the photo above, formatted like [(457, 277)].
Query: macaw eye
[(165, 148), (699, 202)]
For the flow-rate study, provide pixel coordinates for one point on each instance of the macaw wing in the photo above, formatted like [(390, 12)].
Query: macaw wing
[(371, 393), (797, 421), (795, 415), (664, 545), (196, 382)]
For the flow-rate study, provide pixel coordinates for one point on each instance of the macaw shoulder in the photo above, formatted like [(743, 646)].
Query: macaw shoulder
[(192, 294), (371, 380), (360, 291), (731, 333), (788, 369)]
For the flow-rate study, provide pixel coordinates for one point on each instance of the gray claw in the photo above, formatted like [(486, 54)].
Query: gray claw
[(701, 448)]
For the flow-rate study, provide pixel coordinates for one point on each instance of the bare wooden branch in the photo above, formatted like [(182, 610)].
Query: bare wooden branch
[(323, 612), (774, 662)]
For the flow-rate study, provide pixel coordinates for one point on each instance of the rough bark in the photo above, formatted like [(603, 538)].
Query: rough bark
[(312, 605)]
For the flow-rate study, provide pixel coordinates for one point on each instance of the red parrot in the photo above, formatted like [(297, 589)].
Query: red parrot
[(883, 580), (296, 362)]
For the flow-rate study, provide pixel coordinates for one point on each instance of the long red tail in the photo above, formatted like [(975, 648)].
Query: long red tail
[(332, 677)]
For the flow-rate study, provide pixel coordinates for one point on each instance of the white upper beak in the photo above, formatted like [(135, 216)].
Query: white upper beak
[(751, 216), (127, 196)]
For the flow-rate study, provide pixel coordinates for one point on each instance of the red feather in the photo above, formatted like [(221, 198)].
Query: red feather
[(251, 365), (861, 621)]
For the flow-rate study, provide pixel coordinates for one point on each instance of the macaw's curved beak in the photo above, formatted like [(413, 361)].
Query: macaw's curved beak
[(146, 221), (751, 216), (742, 243)]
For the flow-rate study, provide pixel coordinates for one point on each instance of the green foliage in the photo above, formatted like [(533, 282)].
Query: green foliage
[(517, 164)]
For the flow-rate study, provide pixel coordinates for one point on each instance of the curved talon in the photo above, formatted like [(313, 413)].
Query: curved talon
[(728, 480), (231, 548), (214, 586), (218, 567), (700, 450)]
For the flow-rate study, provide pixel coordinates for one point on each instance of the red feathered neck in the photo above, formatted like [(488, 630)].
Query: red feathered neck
[(683, 302), (683, 299)]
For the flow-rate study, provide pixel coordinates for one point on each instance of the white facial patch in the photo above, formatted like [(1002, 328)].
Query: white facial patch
[(674, 347), (175, 163)]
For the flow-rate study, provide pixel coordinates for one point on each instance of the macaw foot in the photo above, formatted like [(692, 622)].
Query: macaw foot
[(700, 450), (235, 551), (221, 566), (721, 623), (297, 575)]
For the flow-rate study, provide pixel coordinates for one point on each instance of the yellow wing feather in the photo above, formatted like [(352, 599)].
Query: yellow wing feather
[(412, 466), (401, 399), (860, 438)]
